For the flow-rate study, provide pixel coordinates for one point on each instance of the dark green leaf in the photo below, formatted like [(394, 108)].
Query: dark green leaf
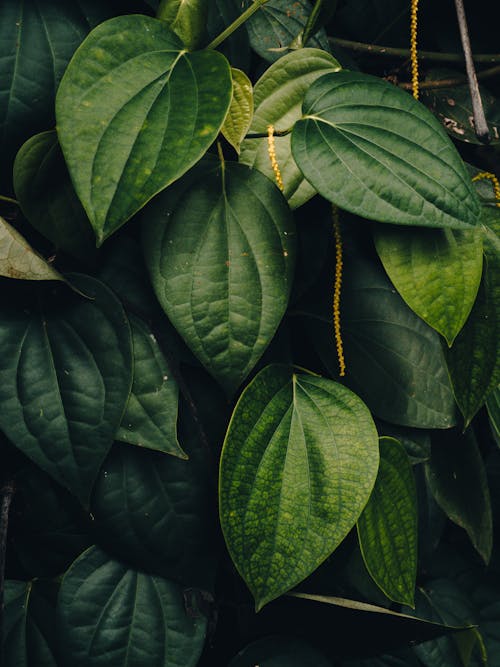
[(370, 148), (493, 406), (457, 479), (134, 112), (298, 465), (65, 377), (187, 18), (387, 527), (112, 616), (221, 13), (220, 248), (279, 652), (416, 442)]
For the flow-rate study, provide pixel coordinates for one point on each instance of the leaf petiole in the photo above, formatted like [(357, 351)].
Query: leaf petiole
[(250, 11)]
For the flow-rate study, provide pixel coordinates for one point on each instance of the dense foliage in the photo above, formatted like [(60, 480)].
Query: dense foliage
[(249, 337)]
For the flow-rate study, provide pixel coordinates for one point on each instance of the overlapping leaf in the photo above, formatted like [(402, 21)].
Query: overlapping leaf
[(220, 248), (240, 112), (298, 465), (370, 148), (186, 18), (134, 112)]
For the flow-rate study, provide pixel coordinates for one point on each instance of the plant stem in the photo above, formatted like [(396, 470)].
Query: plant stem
[(9, 200), (264, 135), (250, 11), (448, 83), (6, 494), (378, 50)]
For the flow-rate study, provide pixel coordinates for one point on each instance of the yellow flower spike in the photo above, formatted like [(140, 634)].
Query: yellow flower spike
[(490, 177), (413, 48), (337, 289), (271, 149)]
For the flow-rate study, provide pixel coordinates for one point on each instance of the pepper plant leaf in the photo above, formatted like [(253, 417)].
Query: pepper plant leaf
[(298, 465), (134, 112), (220, 248), (240, 112), (373, 150), (187, 18)]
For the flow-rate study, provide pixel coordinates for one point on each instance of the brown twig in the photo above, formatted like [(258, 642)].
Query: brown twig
[(449, 83)]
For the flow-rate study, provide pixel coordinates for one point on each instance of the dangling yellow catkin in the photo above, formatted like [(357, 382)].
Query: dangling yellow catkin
[(271, 149), (413, 48), (337, 288), (490, 177)]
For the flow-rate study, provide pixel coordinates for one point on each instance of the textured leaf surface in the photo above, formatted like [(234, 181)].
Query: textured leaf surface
[(220, 248), (19, 260), (457, 480), (390, 157), (134, 112), (187, 18), (436, 271), (278, 98), (298, 465), (240, 112), (47, 197), (387, 527), (110, 616), (150, 418), (65, 377)]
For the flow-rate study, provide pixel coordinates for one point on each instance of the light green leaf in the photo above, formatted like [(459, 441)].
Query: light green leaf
[(436, 271), (387, 527), (187, 18), (220, 248), (65, 377), (112, 616), (240, 112), (278, 98), (372, 149), (134, 112), (150, 418), (19, 260), (298, 465), (457, 479), (47, 197)]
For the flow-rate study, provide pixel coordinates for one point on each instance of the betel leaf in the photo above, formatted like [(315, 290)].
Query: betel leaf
[(47, 197), (436, 271), (113, 616), (278, 98), (187, 18), (220, 249), (298, 465), (240, 112), (134, 112), (279, 651), (457, 479), (65, 377), (372, 149), (150, 418), (387, 527), (19, 260)]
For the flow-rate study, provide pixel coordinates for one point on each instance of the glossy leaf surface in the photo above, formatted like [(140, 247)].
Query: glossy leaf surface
[(298, 465), (391, 159), (134, 112), (387, 527), (278, 98), (240, 112), (220, 248)]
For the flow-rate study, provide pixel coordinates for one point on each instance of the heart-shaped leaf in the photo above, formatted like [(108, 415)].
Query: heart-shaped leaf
[(220, 248), (387, 527), (134, 112), (436, 271), (298, 465), (240, 112), (278, 98), (112, 616), (65, 377), (372, 149)]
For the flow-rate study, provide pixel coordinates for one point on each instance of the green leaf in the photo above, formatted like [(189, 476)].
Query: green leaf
[(65, 377), (457, 479), (112, 616), (416, 442), (436, 271), (150, 418), (47, 197), (220, 248), (187, 18), (279, 652), (240, 112), (387, 527), (236, 47), (134, 112), (298, 465), (19, 260), (493, 406), (390, 157), (278, 98)]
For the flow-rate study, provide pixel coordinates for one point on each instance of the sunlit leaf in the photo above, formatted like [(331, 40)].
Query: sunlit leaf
[(187, 18), (240, 112)]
